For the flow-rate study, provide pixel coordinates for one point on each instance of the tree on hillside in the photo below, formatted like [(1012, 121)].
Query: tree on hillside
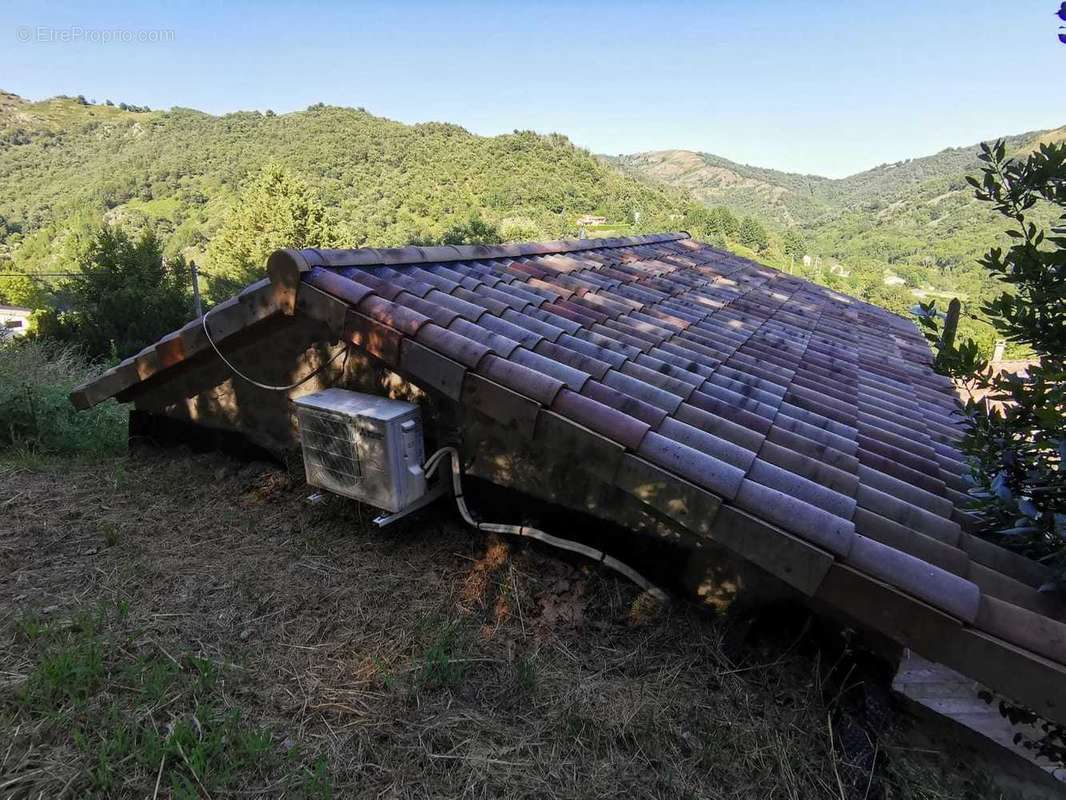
[(16, 288), (474, 231), (723, 221), (278, 210), (752, 234), (520, 229), (1018, 450), (124, 298), (793, 244)]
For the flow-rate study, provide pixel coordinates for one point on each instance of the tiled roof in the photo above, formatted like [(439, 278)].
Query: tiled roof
[(806, 411)]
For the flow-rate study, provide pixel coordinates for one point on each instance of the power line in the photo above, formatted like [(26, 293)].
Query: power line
[(38, 275)]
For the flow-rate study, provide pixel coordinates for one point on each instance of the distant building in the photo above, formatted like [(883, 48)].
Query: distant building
[(14, 321), (998, 365), (589, 219)]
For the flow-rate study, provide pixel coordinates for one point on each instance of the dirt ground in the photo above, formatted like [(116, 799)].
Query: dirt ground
[(179, 625)]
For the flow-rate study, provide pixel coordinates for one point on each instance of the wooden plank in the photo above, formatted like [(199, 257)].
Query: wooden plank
[(787, 557), (1024, 677), (511, 410), (878, 606), (253, 305), (597, 454), (679, 500), (432, 369), (945, 693), (105, 386)]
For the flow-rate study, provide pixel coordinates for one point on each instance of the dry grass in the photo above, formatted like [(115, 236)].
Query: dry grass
[(419, 661)]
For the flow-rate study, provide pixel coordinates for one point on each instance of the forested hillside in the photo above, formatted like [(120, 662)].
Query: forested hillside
[(790, 198), (223, 190), (914, 223), (68, 164)]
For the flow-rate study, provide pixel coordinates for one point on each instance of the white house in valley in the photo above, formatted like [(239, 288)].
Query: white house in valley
[(14, 321)]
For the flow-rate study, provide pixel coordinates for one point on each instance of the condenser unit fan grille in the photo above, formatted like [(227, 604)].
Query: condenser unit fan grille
[(330, 450)]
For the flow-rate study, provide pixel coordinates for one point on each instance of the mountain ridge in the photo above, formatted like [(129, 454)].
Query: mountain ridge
[(798, 198)]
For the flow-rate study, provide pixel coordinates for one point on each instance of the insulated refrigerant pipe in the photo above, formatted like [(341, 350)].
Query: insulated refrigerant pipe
[(430, 468)]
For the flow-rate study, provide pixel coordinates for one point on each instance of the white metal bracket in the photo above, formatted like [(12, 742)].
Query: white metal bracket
[(438, 490)]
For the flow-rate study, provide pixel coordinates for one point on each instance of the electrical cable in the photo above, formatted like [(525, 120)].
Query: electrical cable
[(430, 467), (301, 382)]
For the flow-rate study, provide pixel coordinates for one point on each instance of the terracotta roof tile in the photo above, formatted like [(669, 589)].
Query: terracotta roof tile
[(406, 320), (812, 468), (642, 390), (479, 298), (615, 425), (453, 345), (588, 346), (545, 315), (620, 401), (722, 449), (575, 379), (528, 382), (463, 308), (500, 345), (830, 532), (791, 483), (702, 469), (959, 597), (572, 358)]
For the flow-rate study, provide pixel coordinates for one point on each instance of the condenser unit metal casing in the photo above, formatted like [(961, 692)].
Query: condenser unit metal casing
[(363, 446)]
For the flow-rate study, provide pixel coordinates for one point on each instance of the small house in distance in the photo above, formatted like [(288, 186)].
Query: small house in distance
[(14, 321), (663, 385), (589, 220)]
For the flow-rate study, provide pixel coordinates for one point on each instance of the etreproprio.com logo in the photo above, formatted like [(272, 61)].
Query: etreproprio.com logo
[(43, 34)]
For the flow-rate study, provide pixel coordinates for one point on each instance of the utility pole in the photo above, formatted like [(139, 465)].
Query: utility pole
[(951, 324), (196, 302)]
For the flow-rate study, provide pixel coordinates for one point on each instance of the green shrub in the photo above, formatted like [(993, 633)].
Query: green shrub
[(1016, 444), (36, 378)]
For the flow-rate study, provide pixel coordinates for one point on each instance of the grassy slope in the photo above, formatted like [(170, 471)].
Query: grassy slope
[(194, 618), (64, 165)]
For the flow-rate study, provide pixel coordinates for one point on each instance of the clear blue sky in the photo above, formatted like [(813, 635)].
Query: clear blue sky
[(823, 87)]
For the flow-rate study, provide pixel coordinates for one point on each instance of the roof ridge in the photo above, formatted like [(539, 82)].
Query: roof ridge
[(369, 256)]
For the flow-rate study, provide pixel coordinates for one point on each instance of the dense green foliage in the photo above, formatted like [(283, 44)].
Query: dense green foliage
[(67, 167), (753, 235), (278, 210), (124, 296), (36, 378), (1018, 444)]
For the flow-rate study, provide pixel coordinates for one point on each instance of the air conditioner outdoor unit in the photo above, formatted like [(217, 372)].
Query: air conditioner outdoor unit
[(365, 447)]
